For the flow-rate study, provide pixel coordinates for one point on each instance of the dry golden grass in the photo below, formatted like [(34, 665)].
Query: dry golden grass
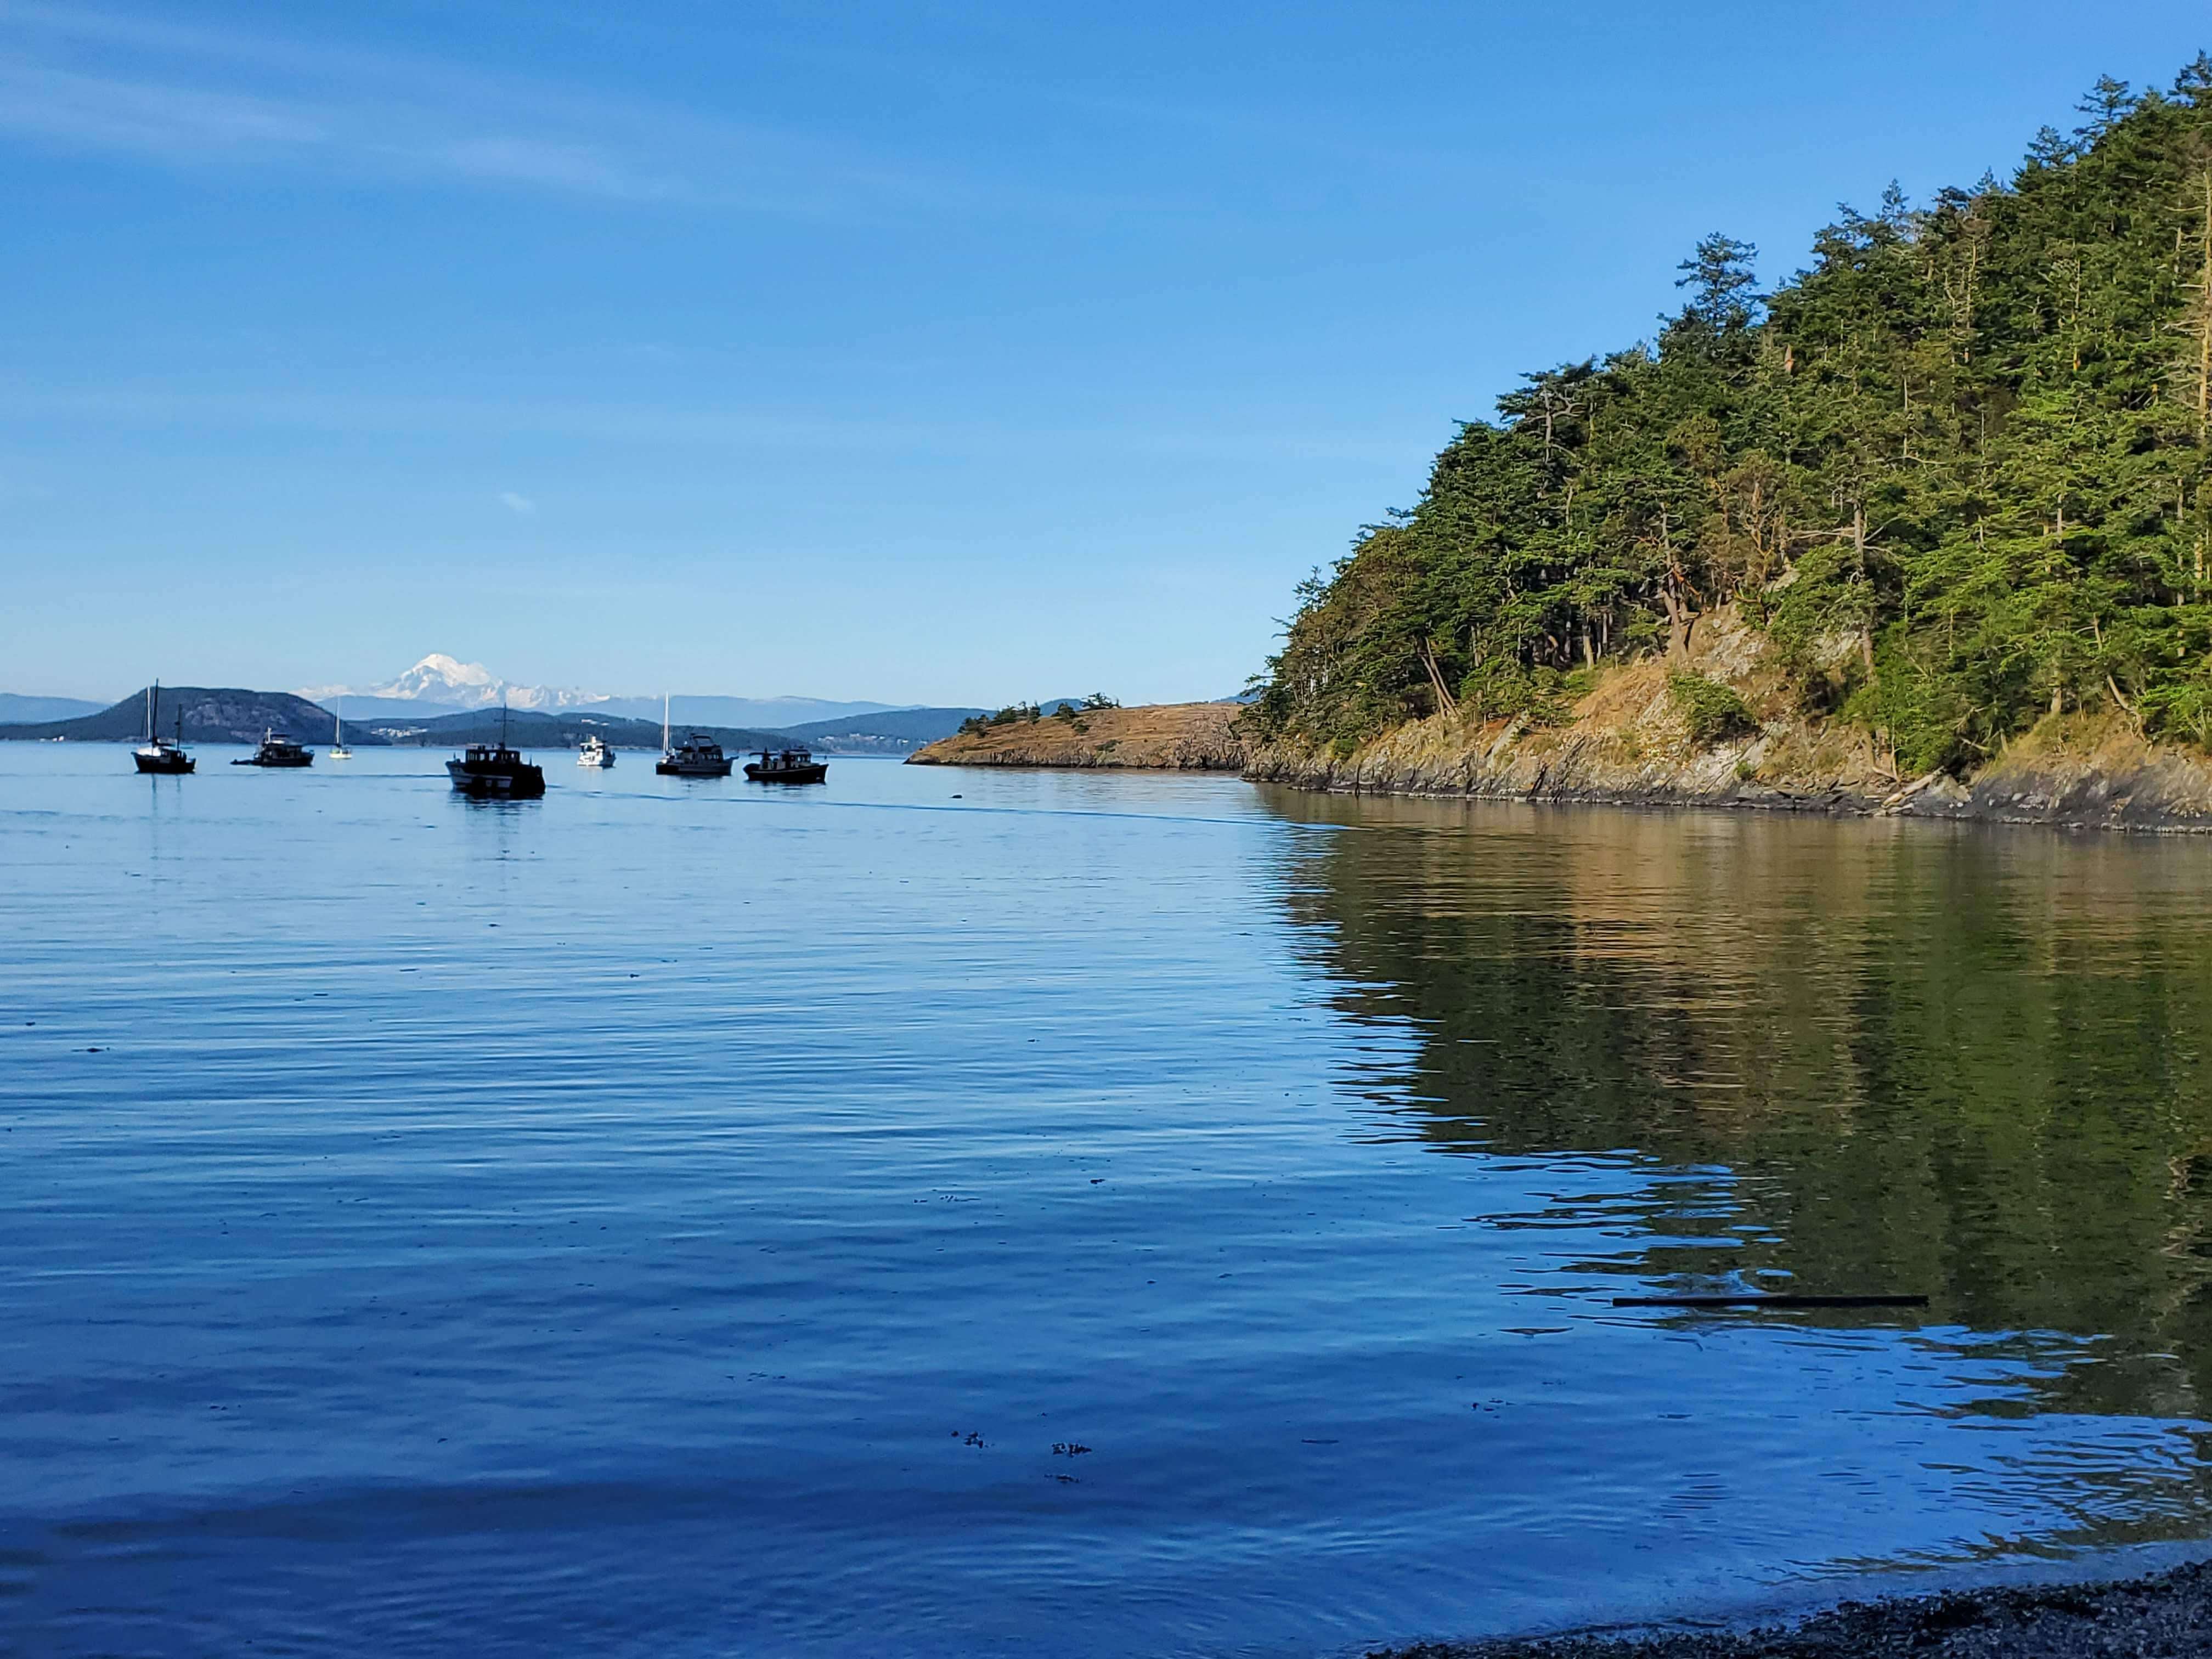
[(1164, 737)]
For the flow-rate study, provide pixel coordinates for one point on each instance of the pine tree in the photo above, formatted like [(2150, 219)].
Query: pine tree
[(1957, 468)]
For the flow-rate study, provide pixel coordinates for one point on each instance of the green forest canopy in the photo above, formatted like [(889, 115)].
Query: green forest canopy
[(1956, 470)]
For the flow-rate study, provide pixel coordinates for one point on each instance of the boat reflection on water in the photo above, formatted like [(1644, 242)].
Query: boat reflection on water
[(484, 798)]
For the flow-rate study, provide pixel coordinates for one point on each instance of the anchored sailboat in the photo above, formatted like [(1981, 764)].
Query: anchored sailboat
[(158, 755), (338, 751)]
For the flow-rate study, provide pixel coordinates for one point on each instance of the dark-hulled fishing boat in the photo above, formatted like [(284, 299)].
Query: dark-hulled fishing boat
[(788, 766), (495, 772)]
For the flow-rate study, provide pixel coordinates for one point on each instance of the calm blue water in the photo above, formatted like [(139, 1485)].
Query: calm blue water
[(954, 1212)]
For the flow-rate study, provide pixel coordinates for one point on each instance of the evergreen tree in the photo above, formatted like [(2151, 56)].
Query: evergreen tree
[(1956, 467)]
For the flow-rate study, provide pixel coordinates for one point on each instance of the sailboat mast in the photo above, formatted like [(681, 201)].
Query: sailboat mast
[(151, 691), (664, 722)]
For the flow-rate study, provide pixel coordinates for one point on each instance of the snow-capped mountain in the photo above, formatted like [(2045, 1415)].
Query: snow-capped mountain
[(439, 684), (440, 678), (449, 683)]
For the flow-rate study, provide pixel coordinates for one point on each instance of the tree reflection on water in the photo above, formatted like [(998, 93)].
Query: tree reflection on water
[(1832, 1056)]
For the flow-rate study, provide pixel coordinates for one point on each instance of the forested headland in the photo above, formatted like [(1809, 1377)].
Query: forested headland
[(1954, 474)]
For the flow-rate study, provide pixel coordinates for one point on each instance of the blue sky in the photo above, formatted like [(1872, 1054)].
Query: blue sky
[(925, 353)]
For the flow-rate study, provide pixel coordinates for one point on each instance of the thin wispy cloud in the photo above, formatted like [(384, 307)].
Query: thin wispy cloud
[(195, 113), (725, 431), (521, 506), (577, 167), (118, 114), (182, 96)]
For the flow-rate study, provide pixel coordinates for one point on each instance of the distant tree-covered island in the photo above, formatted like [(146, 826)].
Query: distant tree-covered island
[(1954, 474)]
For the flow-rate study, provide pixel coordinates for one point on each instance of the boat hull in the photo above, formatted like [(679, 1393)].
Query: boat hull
[(693, 769), (524, 782), (278, 760), (817, 773), (164, 766)]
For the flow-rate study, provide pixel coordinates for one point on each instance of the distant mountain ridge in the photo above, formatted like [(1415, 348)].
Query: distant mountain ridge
[(420, 715), (439, 684), (361, 707), (531, 728), (896, 732), (232, 714), (211, 714), (899, 731), (778, 713), (439, 687), (14, 709)]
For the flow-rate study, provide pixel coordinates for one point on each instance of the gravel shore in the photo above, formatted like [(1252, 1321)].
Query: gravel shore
[(2166, 1616)]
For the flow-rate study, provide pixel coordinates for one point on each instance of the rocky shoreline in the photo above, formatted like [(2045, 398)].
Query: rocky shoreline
[(2165, 1615), (1628, 744), (2117, 784)]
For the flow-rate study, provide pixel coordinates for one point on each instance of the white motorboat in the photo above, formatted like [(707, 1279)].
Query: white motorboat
[(596, 751)]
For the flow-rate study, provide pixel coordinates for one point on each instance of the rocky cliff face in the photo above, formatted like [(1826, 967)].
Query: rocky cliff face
[(1630, 744), (1179, 736)]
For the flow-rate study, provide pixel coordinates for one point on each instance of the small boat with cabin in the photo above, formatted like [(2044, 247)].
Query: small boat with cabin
[(278, 750), (597, 752), (793, 765), (697, 756), (495, 772), (158, 756)]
